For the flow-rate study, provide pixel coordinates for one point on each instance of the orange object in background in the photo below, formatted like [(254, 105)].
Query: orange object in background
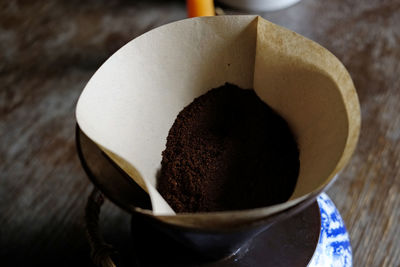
[(199, 8)]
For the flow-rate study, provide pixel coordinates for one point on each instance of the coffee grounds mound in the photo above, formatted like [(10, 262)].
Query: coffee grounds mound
[(228, 150)]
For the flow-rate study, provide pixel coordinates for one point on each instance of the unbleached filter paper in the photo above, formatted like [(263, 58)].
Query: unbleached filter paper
[(130, 103)]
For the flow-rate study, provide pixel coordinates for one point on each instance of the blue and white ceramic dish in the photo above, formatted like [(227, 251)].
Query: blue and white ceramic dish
[(333, 249)]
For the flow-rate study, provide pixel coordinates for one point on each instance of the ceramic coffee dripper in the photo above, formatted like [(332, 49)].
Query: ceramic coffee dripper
[(131, 102)]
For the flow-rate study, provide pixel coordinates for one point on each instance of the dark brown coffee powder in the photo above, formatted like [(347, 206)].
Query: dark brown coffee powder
[(228, 150)]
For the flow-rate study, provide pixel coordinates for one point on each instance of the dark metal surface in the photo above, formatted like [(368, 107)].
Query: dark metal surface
[(291, 242)]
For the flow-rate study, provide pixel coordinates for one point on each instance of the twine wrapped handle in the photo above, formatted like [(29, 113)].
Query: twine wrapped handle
[(100, 251)]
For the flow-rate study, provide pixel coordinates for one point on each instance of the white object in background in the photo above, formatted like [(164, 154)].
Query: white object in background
[(259, 5)]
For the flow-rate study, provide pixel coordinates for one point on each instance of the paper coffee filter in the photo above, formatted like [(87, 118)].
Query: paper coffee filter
[(131, 102), (313, 91)]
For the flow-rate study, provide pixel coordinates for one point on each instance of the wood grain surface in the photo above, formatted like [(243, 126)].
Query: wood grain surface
[(49, 50)]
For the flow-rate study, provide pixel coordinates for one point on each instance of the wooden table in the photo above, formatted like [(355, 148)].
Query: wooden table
[(49, 50)]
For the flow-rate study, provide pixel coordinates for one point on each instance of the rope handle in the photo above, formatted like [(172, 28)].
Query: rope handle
[(100, 251)]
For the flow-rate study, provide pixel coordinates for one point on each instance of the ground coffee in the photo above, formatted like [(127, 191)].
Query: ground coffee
[(228, 150)]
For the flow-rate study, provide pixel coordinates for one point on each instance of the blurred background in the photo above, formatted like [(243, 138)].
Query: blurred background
[(50, 49)]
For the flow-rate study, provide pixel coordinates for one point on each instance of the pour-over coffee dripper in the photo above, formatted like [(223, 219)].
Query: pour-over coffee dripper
[(290, 241), (131, 102)]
